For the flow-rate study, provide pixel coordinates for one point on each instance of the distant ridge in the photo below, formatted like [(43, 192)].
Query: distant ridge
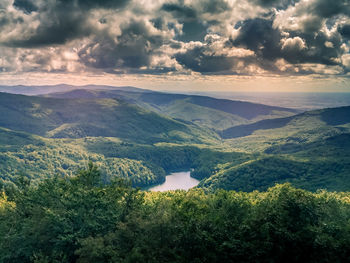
[(330, 116), (213, 113), (46, 89), (217, 114), (78, 118)]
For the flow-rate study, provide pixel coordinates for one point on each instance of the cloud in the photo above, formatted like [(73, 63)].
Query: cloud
[(293, 44), (131, 51), (344, 30), (308, 16), (44, 23), (26, 6), (215, 56), (218, 37), (259, 35), (196, 18), (346, 61), (279, 4)]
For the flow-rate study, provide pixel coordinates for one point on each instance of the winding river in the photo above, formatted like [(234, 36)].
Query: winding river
[(175, 181)]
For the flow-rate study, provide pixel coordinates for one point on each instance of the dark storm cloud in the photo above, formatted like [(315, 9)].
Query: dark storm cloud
[(26, 6), (132, 49), (327, 8), (259, 35), (180, 11), (256, 35), (344, 30), (61, 21), (61, 28), (321, 49), (89, 4), (196, 60), (215, 7), (192, 31), (280, 4), (30, 5), (192, 27), (268, 43)]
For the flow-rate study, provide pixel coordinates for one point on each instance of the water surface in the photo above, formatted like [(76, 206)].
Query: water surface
[(175, 181)]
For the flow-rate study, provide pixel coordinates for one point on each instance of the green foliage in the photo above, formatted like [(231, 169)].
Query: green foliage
[(210, 162), (90, 177), (310, 150), (78, 118), (263, 173), (40, 158), (217, 114), (204, 161), (170, 158), (81, 219)]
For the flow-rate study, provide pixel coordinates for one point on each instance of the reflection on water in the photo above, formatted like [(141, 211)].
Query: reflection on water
[(174, 181)]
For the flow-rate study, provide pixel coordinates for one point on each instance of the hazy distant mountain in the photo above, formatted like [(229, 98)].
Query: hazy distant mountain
[(77, 118), (214, 113), (46, 89)]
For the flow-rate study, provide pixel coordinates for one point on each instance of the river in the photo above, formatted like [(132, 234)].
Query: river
[(175, 181)]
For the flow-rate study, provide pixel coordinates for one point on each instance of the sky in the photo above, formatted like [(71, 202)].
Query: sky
[(178, 45)]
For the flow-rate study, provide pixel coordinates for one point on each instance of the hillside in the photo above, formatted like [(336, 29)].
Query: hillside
[(78, 118), (37, 158), (48, 136), (214, 113), (330, 117), (308, 173), (310, 150)]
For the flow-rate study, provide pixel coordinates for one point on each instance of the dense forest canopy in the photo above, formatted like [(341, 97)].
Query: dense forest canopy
[(82, 219)]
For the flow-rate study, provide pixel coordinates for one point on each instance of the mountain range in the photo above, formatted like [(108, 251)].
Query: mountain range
[(213, 113), (142, 135)]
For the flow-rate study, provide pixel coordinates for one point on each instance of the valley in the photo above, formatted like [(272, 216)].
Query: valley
[(141, 135), (132, 175), (180, 131)]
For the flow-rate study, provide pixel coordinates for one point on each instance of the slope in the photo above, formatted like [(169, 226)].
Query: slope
[(37, 158), (304, 121), (77, 118), (218, 114), (310, 150)]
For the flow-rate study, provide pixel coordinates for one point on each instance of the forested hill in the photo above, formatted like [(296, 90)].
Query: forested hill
[(62, 118), (310, 150), (214, 113), (305, 121), (243, 109)]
